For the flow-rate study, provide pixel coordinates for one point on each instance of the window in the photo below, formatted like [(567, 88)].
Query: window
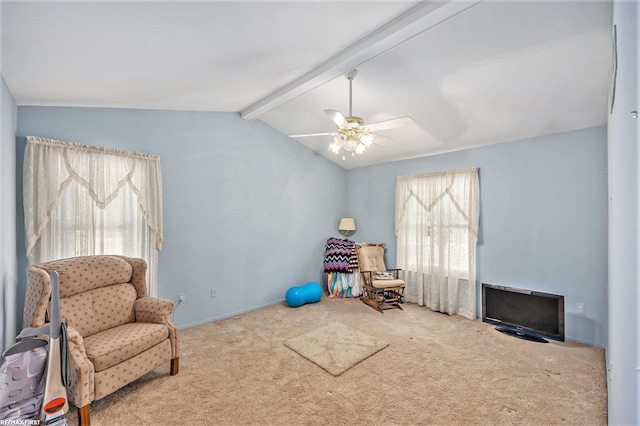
[(445, 238), (436, 230), (83, 200)]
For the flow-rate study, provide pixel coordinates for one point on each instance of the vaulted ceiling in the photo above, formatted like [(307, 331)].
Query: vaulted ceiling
[(469, 73)]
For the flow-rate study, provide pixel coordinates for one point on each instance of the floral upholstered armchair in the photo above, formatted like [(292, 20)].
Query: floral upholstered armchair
[(116, 333)]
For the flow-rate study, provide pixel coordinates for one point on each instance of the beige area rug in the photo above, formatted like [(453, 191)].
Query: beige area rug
[(440, 370), (336, 347)]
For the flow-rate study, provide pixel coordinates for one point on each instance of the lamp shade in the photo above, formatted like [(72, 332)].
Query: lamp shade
[(347, 224)]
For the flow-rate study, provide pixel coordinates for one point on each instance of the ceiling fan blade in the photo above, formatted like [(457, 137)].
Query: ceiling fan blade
[(382, 141), (313, 134), (336, 117), (390, 124)]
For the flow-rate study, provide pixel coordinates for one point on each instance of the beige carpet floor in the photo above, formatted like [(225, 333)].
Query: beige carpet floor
[(436, 369)]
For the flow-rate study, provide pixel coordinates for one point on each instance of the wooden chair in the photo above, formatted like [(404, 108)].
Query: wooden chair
[(382, 287)]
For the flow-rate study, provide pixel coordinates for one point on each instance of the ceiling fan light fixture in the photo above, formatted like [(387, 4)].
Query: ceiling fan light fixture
[(350, 145), (352, 134), (366, 139)]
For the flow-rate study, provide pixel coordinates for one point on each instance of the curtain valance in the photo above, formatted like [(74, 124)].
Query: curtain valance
[(50, 166), (429, 188)]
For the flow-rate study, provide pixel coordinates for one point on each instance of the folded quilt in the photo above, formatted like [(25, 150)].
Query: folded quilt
[(344, 285), (340, 256)]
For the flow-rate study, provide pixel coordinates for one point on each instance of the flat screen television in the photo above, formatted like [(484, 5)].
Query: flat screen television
[(523, 313)]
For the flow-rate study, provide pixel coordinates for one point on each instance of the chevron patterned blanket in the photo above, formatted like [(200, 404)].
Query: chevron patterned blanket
[(340, 256)]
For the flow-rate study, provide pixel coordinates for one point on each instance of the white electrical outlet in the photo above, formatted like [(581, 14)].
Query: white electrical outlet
[(580, 307), (182, 297), (213, 293)]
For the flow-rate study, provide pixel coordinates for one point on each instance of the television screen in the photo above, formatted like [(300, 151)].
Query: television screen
[(523, 313)]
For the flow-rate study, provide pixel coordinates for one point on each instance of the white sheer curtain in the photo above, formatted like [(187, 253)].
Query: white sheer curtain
[(85, 200), (437, 232)]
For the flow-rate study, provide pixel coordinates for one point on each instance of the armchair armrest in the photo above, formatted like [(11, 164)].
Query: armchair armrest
[(153, 310), (81, 391), (156, 311)]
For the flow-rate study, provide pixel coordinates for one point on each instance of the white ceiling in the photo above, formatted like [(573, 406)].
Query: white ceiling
[(470, 73)]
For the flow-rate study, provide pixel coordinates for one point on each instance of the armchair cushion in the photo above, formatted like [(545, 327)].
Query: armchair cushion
[(112, 346), (99, 309), (80, 274), (387, 283)]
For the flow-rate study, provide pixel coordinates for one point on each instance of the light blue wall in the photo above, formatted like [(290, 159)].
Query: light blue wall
[(623, 349), (543, 217), (247, 210), (8, 259)]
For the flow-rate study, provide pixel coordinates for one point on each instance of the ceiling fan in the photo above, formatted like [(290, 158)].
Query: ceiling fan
[(353, 135)]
